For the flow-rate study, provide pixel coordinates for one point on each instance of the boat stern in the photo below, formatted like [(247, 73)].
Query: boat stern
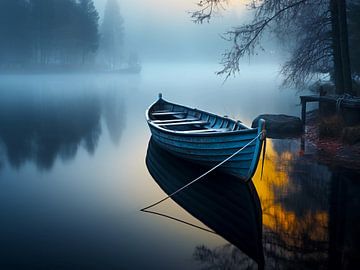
[(261, 137)]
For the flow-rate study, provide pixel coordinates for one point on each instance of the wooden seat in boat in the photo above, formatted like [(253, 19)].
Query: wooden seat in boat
[(185, 123), (206, 130), (167, 113), (162, 111), (175, 120)]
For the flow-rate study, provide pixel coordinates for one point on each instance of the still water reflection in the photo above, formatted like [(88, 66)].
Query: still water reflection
[(73, 177), (43, 125), (305, 209), (232, 209)]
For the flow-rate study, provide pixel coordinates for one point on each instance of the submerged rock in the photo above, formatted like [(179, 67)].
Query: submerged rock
[(280, 125)]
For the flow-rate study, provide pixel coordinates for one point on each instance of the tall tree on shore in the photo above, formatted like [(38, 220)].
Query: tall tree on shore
[(47, 32), (14, 32), (112, 35), (317, 30), (354, 35), (342, 67), (89, 28)]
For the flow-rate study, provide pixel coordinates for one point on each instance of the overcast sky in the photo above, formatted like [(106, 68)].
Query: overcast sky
[(162, 30)]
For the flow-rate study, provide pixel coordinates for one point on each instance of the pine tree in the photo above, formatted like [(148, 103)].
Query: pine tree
[(14, 33), (112, 35), (88, 23)]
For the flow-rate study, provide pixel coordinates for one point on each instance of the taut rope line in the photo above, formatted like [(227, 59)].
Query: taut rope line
[(179, 220), (204, 174)]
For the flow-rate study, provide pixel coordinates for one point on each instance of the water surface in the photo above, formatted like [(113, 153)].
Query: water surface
[(73, 177)]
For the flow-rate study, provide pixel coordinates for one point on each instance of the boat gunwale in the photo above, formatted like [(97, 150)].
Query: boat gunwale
[(210, 134)]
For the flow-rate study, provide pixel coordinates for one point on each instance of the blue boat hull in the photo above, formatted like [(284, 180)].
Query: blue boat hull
[(206, 146)]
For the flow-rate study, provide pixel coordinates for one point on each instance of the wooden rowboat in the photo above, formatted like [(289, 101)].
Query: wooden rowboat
[(206, 138)]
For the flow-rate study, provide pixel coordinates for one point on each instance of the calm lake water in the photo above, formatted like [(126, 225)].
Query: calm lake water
[(76, 166)]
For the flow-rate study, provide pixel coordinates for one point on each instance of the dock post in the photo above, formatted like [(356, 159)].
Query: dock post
[(303, 112)]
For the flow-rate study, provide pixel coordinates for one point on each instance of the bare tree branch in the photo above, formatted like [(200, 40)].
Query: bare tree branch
[(206, 10), (301, 24)]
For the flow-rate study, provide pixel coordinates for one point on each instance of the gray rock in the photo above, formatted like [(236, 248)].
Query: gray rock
[(280, 125)]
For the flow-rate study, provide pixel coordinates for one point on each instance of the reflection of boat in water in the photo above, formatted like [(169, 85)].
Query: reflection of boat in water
[(231, 209), (206, 138)]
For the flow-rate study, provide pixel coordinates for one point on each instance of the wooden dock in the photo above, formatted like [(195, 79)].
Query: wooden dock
[(340, 102)]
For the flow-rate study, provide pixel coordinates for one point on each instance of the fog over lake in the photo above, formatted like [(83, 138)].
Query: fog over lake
[(78, 162)]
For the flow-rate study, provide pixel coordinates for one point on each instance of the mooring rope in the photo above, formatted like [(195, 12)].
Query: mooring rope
[(180, 221), (338, 103), (204, 174), (263, 158), (341, 98)]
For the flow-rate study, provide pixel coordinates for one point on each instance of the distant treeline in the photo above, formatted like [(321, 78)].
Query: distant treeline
[(47, 32)]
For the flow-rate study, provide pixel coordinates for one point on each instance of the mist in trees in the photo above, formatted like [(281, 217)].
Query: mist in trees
[(14, 32), (47, 32), (61, 34), (89, 25), (112, 36), (113, 54), (317, 34)]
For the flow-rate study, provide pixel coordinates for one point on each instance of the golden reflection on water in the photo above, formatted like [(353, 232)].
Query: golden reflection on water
[(288, 232)]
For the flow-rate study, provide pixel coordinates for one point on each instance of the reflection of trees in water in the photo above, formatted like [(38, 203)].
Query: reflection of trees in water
[(310, 214), (344, 220), (45, 118), (308, 182), (302, 244), (300, 230), (303, 220), (224, 257), (114, 114), (42, 130), (295, 233)]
